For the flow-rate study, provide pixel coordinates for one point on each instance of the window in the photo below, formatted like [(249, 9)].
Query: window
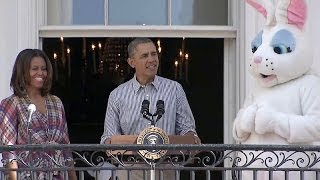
[(216, 22), (223, 13), (137, 12)]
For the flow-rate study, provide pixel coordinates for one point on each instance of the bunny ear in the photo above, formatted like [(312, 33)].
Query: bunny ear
[(266, 8), (258, 6), (291, 12)]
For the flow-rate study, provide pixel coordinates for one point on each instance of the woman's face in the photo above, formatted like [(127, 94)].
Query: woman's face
[(38, 73)]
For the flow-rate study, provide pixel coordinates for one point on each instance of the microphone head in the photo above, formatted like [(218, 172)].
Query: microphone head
[(145, 107), (32, 108), (160, 107)]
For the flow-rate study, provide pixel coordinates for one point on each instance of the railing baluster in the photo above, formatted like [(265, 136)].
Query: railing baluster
[(270, 175), (18, 174), (255, 174), (239, 174), (208, 175), (161, 174), (145, 175), (81, 175), (113, 175), (177, 173), (301, 175), (96, 174), (286, 175), (66, 175), (192, 175), (33, 175), (129, 174)]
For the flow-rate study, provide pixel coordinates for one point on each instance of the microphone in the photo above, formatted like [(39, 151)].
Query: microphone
[(160, 109), (31, 110), (145, 107)]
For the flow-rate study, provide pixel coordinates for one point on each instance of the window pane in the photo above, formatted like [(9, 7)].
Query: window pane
[(78, 12), (195, 12), (88, 12), (138, 12)]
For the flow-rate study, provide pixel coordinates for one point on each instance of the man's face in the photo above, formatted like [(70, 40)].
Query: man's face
[(145, 61)]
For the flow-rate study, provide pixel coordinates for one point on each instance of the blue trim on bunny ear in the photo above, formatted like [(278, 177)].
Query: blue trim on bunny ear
[(256, 42), (283, 42)]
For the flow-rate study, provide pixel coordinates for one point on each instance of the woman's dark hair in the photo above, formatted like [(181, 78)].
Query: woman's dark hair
[(21, 72)]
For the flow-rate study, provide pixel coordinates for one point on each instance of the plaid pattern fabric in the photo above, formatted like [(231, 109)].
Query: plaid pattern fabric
[(49, 128)]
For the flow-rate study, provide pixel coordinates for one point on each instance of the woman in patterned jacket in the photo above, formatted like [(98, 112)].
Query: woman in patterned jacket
[(31, 84)]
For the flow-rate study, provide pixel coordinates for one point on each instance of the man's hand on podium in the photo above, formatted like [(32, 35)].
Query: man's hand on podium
[(107, 141), (197, 140)]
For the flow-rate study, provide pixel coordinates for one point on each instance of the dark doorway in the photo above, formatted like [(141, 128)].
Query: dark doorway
[(93, 67)]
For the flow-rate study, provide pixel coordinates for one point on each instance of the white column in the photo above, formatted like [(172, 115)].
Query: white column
[(19, 30), (313, 26)]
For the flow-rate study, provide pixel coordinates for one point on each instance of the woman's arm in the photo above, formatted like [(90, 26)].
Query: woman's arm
[(8, 133), (72, 173), (12, 175)]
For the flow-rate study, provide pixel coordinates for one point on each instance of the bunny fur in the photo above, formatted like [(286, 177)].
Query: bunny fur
[(284, 107)]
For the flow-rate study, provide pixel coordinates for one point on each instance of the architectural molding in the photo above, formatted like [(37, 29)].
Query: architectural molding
[(138, 31)]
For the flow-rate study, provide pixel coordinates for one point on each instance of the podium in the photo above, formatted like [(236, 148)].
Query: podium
[(132, 139)]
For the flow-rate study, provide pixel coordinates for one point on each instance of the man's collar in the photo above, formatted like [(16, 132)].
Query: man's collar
[(136, 85)]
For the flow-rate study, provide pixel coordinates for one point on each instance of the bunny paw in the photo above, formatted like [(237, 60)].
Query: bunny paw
[(246, 123), (265, 121)]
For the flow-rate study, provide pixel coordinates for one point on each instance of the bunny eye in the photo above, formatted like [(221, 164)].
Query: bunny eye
[(283, 42), (254, 49), (281, 49), (257, 41)]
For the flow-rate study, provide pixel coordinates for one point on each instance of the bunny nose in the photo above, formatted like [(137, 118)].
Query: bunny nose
[(257, 59)]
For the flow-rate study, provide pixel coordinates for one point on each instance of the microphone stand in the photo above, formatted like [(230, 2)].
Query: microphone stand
[(153, 120), (29, 133), (29, 141), (153, 164), (153, 171)]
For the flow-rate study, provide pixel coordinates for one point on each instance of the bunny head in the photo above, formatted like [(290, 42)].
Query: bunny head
[(281, 51)]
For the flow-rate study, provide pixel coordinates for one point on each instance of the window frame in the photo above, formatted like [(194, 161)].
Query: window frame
[(234, 46)]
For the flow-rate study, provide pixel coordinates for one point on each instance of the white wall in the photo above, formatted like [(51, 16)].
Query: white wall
[(19, 24), (8, 43), (314, 25), (255, 21)]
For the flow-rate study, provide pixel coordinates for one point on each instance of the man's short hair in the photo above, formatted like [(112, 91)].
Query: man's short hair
[(134, 43)]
